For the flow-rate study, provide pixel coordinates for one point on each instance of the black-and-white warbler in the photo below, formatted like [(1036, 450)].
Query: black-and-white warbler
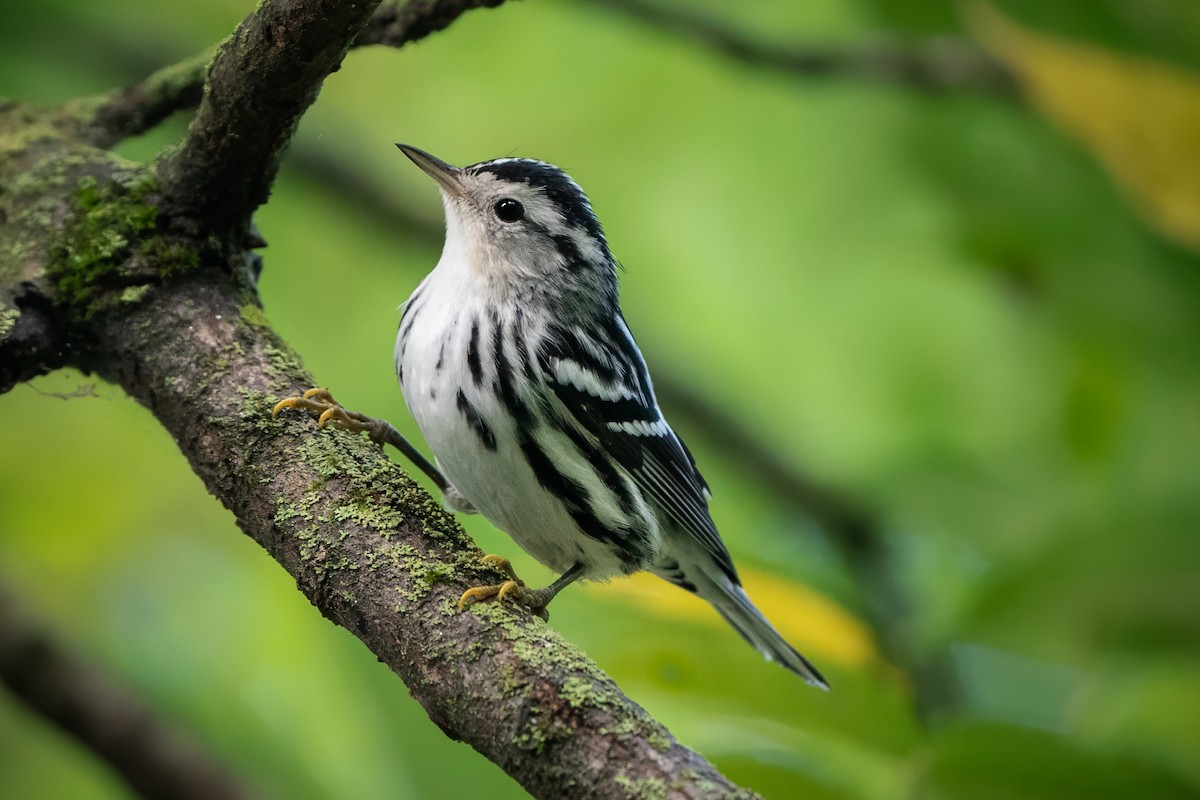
[(516, 362)]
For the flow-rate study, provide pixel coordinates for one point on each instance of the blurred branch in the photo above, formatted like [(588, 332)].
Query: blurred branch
[(855, 530), (170, 313), (154, 759), (366, 196), (142, 106), (936, 65)]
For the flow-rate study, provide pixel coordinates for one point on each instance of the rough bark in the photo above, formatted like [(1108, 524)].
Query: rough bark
[(261, 80), (378, 556), (144, 275)]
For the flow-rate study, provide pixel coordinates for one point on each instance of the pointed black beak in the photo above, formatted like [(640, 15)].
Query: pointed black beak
[(445, 174)]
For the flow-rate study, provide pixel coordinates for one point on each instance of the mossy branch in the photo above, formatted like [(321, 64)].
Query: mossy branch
[(260, 82), (97, 272), (378, 556), (365, 544), (141, 106)]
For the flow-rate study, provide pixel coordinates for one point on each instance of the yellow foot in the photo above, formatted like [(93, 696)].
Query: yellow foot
[(514, 587), (321, 403)]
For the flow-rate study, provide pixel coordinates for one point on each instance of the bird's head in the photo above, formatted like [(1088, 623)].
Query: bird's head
[(518, 220)]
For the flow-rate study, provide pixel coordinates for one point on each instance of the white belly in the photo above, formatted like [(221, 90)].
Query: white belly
[(498, 482)]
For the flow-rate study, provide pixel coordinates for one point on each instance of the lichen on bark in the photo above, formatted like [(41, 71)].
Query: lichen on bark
[(145, 276)]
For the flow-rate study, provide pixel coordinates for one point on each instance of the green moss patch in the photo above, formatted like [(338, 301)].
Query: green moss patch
[(110, 250), (8, 320)]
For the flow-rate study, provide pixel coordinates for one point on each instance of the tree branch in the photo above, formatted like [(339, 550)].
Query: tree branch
[(378, 556), (144, 105), (173, 318), (937, 65), (153, 758), (396, 24), (33, 335), (261, 80), (32, 341), (257, 91)]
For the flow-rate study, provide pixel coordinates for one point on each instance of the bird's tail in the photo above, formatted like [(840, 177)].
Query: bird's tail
[(728, 597)]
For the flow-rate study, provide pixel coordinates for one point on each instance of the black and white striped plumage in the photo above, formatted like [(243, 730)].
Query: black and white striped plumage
[(523, 377)]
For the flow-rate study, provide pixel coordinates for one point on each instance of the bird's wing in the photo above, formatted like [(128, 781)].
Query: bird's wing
[(599, 376)]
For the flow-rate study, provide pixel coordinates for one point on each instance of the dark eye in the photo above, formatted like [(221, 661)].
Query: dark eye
[(509, 210)]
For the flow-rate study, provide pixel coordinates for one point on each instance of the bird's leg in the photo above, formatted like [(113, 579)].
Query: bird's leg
[(320, 403), (535, 600)]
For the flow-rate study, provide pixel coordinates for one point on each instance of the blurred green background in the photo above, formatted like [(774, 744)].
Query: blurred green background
[(944, 306)]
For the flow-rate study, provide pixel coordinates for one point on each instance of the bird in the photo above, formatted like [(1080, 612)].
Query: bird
[(517, 364)]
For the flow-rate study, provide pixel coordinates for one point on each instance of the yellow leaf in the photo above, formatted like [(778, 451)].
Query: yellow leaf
[(1139, 117), (814, 624)]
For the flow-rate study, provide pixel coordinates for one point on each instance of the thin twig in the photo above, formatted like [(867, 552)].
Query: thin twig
[(142, 106), (396, 24)]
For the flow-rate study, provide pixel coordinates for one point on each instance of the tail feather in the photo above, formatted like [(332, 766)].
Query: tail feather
[(733, 604), (730, 600)]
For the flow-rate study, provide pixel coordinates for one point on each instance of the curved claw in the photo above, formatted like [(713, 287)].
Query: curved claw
[(517, 590), (317, 399), (287, 402), (513, 587), (319, 392), (533, 599), (334, 412), (498, 591), (320, 403)]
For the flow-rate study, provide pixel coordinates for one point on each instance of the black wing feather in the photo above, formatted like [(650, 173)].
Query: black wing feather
[(655, 457)]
